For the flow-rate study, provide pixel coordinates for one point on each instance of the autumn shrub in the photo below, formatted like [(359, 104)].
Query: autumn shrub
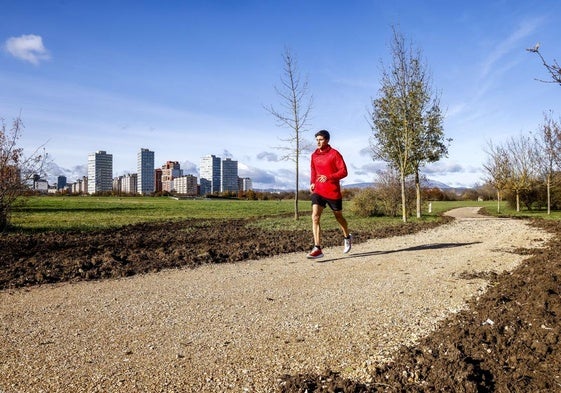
[(363, 203)]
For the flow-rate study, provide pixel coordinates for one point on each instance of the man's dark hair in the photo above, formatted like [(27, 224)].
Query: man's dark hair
[(324, 134)]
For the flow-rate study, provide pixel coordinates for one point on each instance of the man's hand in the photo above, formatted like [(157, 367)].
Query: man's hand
[(322, 178)]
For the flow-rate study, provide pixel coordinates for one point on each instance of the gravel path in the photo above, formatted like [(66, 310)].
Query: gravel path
[(239, 327)]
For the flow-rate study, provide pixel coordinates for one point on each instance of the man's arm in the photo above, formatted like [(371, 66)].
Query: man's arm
[(341, 171)]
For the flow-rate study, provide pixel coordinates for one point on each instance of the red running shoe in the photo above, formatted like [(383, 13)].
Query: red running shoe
[(315, 253)]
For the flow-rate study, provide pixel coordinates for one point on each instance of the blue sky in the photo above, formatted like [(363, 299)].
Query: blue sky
[(191, 78)]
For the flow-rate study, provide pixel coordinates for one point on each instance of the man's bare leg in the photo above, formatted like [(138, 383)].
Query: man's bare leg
[(316, 226), (342, 222)]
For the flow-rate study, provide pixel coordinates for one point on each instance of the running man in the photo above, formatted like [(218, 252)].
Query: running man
[(327, 169)]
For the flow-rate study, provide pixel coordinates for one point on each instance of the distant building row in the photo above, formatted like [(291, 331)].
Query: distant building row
[(216, 176)]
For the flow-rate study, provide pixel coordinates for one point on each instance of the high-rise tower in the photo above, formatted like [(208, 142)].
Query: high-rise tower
[(145, 169), (210, 174), (170, 170), (100, 172), (229, 178)]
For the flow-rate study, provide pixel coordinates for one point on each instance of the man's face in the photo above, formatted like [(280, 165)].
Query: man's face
[(321, 141)]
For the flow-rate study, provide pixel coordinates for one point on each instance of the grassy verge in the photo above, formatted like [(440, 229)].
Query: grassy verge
[(491, 208), (91, 213), (40, 214)]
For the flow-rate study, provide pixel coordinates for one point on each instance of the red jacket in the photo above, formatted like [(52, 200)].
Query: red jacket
[(330, 163)]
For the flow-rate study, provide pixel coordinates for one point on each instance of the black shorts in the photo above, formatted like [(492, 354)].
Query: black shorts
[(334, 204)]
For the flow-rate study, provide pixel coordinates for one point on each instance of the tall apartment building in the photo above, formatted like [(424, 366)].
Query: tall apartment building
[(209, 174), (158, 180), (60, 182), (39, 184), (127, 184), (80, 186), (170, 170), (229, 175), (117, 181), (245, 184), (145, 171), (100, 172), (186, 185)]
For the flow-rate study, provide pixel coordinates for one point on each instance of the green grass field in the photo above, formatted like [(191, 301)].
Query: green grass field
[(90, 213), (491, 206), (64, 213)]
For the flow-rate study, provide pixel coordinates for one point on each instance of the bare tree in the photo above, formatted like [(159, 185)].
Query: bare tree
[(523, 165), (548, 143), (16, 170), (296, 105), (498, 170), (406, 119), (553, 68)]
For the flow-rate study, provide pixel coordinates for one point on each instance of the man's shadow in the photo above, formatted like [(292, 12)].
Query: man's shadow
[(433, 246)]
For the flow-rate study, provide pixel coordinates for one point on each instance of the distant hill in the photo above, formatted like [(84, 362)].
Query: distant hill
[(358, 185), (428, 183)]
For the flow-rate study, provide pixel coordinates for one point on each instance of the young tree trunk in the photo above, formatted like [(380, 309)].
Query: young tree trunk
[(296, 212), (403, 198), (498, 201), (517, 201), (548, 193), (418, 192)]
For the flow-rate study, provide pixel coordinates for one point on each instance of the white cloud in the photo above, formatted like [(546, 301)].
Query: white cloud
[(268, 156), (514, 42), (444, 168), (28, 47), (189, 168)]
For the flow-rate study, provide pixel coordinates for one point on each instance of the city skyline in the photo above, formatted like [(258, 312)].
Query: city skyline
[(185, 79), (219, 176)]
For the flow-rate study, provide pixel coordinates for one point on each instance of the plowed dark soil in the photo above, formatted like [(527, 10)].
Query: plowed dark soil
[(41, 258), (517, 349)]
